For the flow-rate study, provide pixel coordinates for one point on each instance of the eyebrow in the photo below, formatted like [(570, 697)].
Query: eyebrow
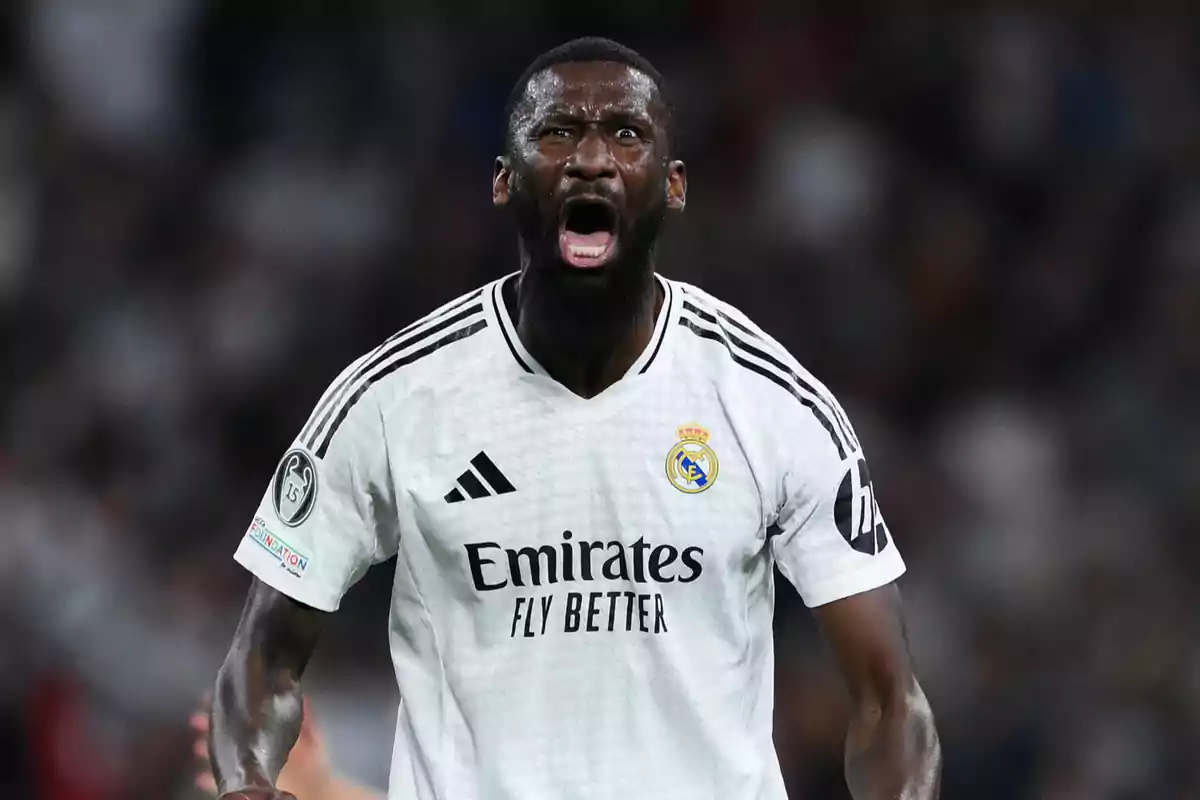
[(618, 115)]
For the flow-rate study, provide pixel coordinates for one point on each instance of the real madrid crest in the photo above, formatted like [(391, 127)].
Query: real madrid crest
[(294, 489), (692, 464)]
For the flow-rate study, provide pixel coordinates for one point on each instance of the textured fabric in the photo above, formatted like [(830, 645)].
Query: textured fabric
[(583, 595)]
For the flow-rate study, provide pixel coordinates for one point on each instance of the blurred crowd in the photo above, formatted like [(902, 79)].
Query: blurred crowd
[(979, 224)]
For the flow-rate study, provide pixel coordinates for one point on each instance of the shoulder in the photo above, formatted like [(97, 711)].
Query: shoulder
[(715, 314), (733, 336), (388, 366), (772, 374)]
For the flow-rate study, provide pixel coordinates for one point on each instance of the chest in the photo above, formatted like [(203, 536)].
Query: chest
[(524, 493)]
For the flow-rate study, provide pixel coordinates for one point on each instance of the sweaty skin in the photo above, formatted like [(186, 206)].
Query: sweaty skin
[(596, 129), (892, 747), (257, 709), (307, 774)]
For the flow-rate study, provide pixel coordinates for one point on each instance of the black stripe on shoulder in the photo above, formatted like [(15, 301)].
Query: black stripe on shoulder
[(735, 323), (416, 355), (667, 306), (390, 348), (333, 393), (337, 392), (778, 380), (830, 404), (441, 312), (504, 329)]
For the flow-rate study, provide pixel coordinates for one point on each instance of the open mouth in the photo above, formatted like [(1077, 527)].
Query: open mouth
[(587, 237)]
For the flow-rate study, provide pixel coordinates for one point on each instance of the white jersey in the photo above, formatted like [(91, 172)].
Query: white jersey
[(583, 596)]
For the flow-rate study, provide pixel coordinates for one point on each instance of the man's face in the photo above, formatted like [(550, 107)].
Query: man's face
[(589, 175)]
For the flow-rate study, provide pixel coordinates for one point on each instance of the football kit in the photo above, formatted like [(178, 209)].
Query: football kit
[(583, 594)]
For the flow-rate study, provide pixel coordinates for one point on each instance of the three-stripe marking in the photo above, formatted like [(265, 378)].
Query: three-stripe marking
[(336, 393), (455, 336), (382, 362), (474, 487), (824, 409)]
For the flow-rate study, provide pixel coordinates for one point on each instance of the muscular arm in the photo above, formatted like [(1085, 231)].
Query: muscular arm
[(892, 749), (257, 708)]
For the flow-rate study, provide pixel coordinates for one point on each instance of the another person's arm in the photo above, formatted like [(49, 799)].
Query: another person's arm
[(831, 542)]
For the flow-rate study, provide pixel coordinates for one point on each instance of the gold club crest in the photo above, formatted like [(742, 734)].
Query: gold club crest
[(692, 464)]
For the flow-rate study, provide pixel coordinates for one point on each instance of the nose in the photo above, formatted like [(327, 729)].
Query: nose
[(592, 160)]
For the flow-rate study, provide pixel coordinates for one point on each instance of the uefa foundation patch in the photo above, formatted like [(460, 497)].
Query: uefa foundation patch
[(288, 557)]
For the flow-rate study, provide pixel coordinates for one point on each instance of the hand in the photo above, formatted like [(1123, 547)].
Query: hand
[(198, 722), (307, 771)]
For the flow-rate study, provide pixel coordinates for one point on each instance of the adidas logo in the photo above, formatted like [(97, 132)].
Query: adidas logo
[(475, 488)]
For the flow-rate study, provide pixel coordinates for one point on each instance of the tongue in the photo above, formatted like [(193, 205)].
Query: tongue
[(597, 239)]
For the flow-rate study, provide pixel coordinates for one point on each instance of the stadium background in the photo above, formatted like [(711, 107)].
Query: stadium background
[(979, 223)]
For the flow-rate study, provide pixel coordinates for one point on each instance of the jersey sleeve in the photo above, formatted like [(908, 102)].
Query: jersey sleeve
[(829, 539), (329, 511)]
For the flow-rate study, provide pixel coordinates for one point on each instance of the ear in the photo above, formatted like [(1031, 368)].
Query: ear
[(501, 182), (676, 186)]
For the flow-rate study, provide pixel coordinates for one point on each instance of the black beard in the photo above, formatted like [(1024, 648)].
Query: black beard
[(586, 310)]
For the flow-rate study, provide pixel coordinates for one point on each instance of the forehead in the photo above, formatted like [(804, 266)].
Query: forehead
[(591, 88)]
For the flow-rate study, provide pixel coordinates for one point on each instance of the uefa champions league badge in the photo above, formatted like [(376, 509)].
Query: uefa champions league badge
[(691, 463), (294, 488)]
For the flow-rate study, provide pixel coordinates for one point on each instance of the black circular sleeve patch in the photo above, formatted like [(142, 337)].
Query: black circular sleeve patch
[(856, 513), (294, 488)]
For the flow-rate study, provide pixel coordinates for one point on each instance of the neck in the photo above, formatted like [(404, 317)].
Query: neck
[(586, 340)]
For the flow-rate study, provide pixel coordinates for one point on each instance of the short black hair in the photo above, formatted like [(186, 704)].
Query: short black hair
[(585, 49)]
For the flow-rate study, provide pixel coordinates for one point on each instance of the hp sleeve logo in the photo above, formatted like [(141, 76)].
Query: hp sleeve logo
[(857, 513)]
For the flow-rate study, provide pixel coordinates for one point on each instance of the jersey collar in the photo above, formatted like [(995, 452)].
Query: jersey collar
[(529, 364)]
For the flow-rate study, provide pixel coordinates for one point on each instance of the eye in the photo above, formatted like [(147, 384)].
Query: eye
[(628, 134), (556, 132)]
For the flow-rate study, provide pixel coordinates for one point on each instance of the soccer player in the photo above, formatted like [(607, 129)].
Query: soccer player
[(587, 472)]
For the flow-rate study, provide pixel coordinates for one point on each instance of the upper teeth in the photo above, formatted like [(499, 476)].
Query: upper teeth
[(587, 252)]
